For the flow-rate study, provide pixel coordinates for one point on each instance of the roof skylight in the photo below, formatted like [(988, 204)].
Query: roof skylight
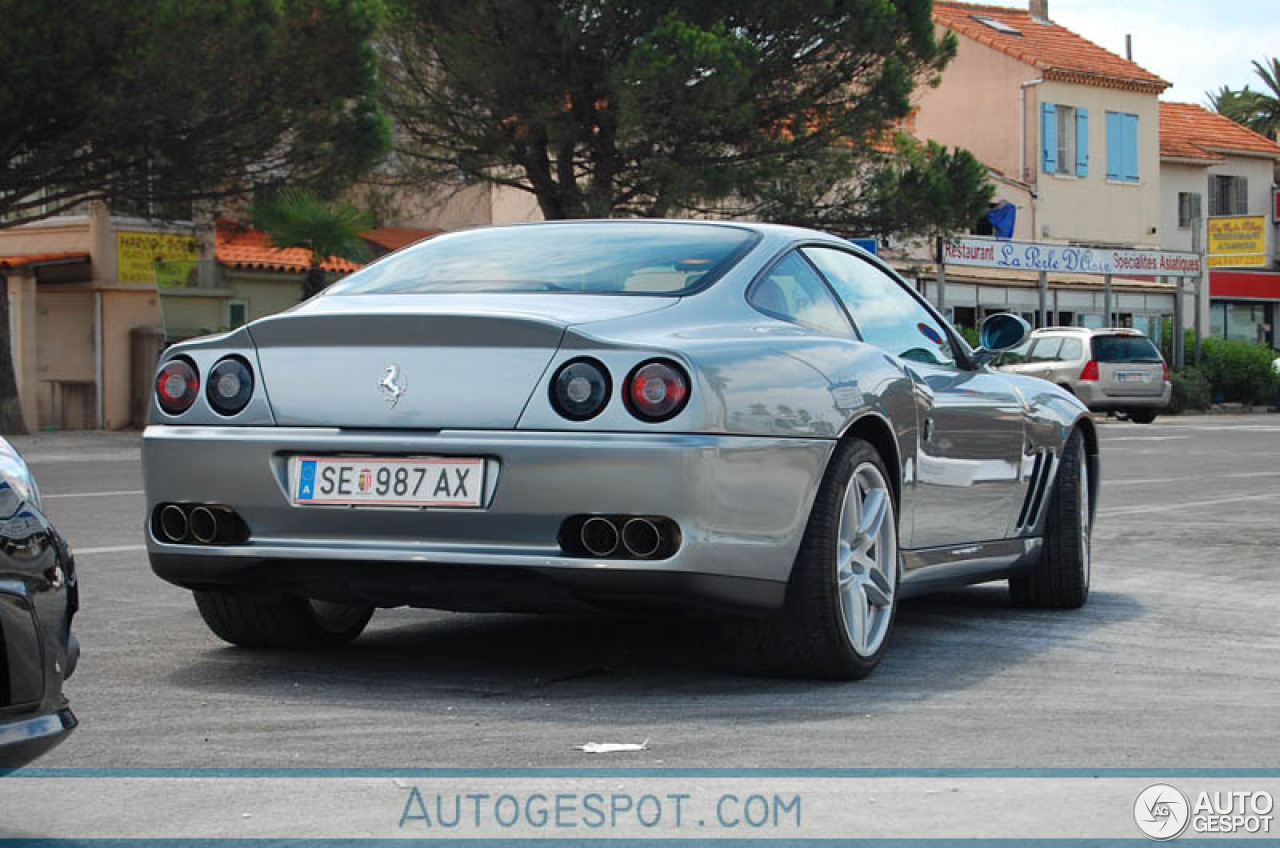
[(997, 25)]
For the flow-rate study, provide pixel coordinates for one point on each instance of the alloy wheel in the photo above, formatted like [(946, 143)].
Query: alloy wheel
[(867, 560)]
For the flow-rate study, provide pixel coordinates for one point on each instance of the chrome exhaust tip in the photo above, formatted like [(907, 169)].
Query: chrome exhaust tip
[(204, 525), (641, 537), (599, 536), (173, 523)]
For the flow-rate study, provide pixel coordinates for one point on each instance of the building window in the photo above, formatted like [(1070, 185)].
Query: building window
[(237, 313), (1122, 147), (1188, 209), (1228, 195), (1064, 133)]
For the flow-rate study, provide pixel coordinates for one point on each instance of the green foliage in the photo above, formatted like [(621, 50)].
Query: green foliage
[(914, 189), (298, 218), (970, 335), (1191, 391), (148, 102), (604, 108), (1239, 372), (1257, 110)]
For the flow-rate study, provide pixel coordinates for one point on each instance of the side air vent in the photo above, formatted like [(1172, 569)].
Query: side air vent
[(1037, 486)]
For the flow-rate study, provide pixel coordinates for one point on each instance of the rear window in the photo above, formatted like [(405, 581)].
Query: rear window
[(640, 258), (1124, 349)]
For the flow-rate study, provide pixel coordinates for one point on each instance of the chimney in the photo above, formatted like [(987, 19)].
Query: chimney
[(1040, 9)]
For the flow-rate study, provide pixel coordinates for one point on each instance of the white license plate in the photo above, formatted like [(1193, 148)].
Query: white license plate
[(367, 481), (1131, 377)]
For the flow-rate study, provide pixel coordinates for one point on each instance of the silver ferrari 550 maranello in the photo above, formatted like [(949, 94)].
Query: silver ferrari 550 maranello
[(760, 422)]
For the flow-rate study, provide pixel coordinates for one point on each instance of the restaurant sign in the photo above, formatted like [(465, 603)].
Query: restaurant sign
[(1031, 256), (1238, 241)]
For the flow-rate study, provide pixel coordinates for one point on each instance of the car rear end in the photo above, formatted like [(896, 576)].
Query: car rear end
[(468, 450), (1125, 372)]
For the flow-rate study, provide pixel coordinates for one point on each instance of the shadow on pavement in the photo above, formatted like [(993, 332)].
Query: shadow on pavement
[(940, 643)]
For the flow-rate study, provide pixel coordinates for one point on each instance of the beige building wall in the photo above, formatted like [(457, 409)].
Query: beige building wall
[(1094, 209), (70, 234), (193, 312), (22, 336), (978, 106), (64, 357), (123, 309), (265, 295)]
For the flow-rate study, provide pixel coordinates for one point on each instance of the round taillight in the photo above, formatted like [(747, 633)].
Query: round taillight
[(580, 389), (177, 386), (230, 385), (657, 390)]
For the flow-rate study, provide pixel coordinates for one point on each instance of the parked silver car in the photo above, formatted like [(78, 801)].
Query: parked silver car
[(1116, 370), (759, 421)]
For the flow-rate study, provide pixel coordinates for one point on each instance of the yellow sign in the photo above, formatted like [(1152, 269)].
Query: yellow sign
[(161, 258), (1238, 241), (1242, 261)]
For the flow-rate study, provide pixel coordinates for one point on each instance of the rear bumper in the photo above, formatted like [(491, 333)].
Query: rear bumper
[(741, 504), (1097, 400)]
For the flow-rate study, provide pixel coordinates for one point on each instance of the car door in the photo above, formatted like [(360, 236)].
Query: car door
[(1043, 358), (966, 473)]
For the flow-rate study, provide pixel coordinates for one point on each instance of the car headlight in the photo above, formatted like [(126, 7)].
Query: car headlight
[(15, 474)]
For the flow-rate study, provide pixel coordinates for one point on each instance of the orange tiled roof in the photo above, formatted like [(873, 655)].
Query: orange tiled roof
[(1057, 52), (242, 247), (394, 238), (1188, 131), (42, 259)]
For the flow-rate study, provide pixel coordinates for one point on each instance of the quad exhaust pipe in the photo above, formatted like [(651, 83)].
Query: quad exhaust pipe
[(599, 536), (619, 536), (173, 523), (201, 524), (641, 537)]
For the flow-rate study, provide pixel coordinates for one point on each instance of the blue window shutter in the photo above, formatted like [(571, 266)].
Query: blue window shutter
[(1131, 147), (1049, 137), (1115, 145), (1082, 142)]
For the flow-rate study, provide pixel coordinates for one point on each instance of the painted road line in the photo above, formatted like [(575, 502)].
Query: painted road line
[(115, 549), (91, 494), (1196, 478), (1109, 439), (1139, 510)]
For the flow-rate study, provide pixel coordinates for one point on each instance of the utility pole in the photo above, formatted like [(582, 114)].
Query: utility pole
[(1197, 247), (942, 279)]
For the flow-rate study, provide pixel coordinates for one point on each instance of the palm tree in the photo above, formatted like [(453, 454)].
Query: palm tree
[(298, 218), (1268, 107), (1257, 110)]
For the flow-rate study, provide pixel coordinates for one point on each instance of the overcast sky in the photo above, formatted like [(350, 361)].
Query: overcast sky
[(1198, 45)]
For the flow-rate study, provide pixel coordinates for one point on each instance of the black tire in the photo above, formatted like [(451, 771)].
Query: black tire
[(809, 638), (1060, 579), (285, 621), (1142, 416)]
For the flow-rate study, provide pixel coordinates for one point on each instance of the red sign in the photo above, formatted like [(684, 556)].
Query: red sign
[(1275, 213)]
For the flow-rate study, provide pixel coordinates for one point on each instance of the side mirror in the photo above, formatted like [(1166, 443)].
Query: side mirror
[(999, 333)]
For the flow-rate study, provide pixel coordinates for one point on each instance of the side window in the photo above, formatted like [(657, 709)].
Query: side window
[(1046, 350), (1017, 356), (1072, 349), (793, 291), (886, 314)]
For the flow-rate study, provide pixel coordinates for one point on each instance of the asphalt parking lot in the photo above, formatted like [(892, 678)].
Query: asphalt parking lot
[(1175, 662)]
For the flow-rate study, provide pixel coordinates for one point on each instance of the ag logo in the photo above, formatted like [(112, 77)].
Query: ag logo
[(1161, 811)]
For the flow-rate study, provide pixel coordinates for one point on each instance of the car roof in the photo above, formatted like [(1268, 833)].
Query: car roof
[(1087, 331)]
